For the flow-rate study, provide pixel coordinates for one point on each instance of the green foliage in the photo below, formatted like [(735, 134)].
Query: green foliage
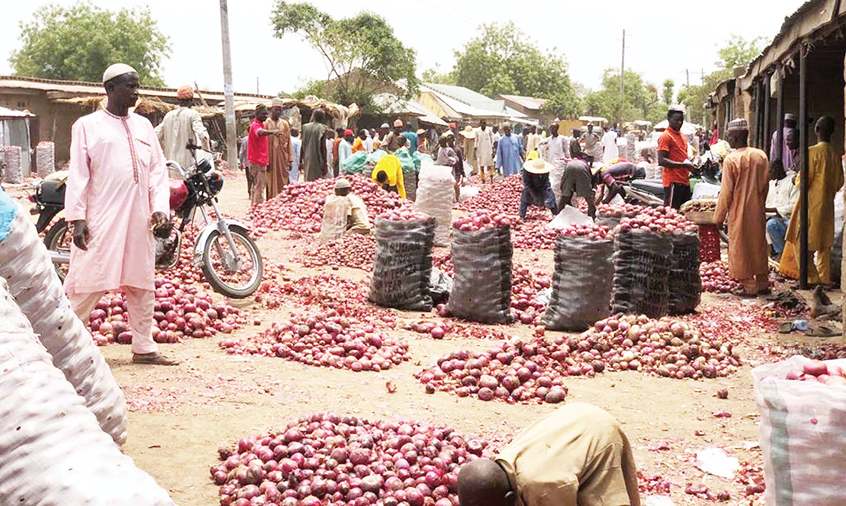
[(502, 60), (435, 76), (363, 55), (738, 52), (667, 94), (80, 41), (640, 101)]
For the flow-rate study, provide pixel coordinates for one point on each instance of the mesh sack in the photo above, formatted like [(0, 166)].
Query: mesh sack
[(403, 265), (45, 160), (25, 264), (435, 194), (684, 281), (410, 180), (14, 170), (481, 290), (581, 285), (641, 271)]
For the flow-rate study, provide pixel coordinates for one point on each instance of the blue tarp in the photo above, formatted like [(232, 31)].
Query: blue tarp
[(8, 210)]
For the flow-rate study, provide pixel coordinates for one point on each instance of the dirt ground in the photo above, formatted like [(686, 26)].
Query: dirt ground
[(181, 415)]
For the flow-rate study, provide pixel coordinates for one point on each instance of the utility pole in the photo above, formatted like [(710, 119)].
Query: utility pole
[(622, 79), (687, 72), (257, 86), (228, 90)]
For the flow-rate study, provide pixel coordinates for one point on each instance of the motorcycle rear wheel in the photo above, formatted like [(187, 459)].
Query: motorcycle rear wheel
[(59, 239), (234, 285)]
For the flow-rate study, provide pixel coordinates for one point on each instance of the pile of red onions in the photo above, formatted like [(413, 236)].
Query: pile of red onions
[(666, 347), (351, 250), (483, 220), (501, 197), (665, 220), (819, 371), (592, 232), (533, 234), (618, 211), (525, 285), (299, 206), (180, 312), (513, 372), (716, 279), (406, 213), (455, 330), (327, 459), (325, 339)]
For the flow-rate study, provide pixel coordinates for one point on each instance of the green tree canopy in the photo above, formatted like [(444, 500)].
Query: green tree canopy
[(362, 54), (503, 60), (78, 42), (667, 93), (641, 100)]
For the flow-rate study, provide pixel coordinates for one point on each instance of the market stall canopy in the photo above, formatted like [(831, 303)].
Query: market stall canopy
[(593, 119), (145, 105), (6, 113), (686, 129), (393, 105), (340, 113)]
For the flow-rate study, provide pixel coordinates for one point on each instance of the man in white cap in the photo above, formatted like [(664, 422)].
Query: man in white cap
[(179, 126), (357, 220), (743, 197), (117, 193), (279, 149), (789, 143)]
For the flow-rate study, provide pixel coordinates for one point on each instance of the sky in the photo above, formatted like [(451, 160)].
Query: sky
[(664, 38)]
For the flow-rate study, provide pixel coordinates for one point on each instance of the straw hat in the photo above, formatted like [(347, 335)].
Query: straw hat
[(468, 132), (421, 132), (536, 165)]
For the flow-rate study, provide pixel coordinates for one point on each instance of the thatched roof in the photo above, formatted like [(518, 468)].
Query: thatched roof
[(145, 105)]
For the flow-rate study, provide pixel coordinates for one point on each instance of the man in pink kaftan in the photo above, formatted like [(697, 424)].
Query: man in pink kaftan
[(117, 192)]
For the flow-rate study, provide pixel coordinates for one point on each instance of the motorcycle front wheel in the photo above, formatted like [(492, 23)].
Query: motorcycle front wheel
[(218, 260), (59, 239)]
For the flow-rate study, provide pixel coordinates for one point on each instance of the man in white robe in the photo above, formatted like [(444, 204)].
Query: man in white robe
[(117, 192)]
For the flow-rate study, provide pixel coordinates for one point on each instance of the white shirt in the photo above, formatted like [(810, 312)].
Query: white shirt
[(556, 147), (609, 140), (368, 144), (783, 195)]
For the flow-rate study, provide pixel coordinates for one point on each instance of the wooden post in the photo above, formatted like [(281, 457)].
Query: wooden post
[(228, 90), (780, 113), (803, 164), (767, 93)]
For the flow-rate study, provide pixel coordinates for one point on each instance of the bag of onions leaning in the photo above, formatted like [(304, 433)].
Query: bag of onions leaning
[(684, 280), (54, 451), (26, 266), (802, 433), (403, 264), (584, 273), (481, 258), (435, 195)]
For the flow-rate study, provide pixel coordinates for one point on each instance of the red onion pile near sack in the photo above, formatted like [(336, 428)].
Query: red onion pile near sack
[(328, 459)]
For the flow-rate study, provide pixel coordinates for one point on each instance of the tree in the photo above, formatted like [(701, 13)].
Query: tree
[(503, 60), (362, 54), (640, 101), (435, 76), (667, 94), (80, 41)]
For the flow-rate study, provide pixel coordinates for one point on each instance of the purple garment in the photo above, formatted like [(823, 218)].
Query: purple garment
[(788, 156)]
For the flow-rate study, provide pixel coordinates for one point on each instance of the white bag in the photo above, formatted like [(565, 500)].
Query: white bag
[(802, 435), (334, 222), (468, 192), (45, 160), (26, 266), (569, 216), (54, 452), (435, 194)]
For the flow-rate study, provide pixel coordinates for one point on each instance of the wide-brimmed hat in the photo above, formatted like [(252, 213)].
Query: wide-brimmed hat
[(536, 165), (468, 132), (421, 132)]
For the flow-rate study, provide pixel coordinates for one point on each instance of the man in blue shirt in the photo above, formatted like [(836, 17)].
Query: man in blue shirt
[(412, 138), (509, 152)]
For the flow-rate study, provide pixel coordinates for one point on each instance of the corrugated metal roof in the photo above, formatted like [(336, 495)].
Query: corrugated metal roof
[(393, 105), (470, 103), (14, 113), (532, 103)]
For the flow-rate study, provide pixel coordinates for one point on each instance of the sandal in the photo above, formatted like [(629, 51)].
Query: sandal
[(785, 328), (154, 358), (822, 331)]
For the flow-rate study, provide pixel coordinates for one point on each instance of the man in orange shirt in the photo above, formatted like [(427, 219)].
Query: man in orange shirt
[(672, 157)]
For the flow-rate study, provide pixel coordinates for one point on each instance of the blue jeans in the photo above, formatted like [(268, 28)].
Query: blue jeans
[(777, 229)]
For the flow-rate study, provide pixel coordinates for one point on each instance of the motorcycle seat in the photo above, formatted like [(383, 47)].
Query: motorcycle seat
[(53, 191), (653, 186)]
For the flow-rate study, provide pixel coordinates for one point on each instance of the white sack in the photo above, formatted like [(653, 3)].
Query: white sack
[(435, 194)]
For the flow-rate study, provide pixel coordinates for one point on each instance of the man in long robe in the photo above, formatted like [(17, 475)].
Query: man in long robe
[(313, 151), (117, 191), (509, 152), (181, 125), (825, 177), (278, 150), (742, 201), (789, 143), (484, 150)]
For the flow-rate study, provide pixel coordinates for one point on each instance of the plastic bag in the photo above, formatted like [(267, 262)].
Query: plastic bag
[(403, 265), (354, 164), (569, 216), (581, 285), (802, 434), (406, 161), (374, 157), (435, 194), (334, 222), (684, 281), (642, 263), (481, 289), (468, 192), (420, 159), (440, 286), (26, 266), (54, 452)]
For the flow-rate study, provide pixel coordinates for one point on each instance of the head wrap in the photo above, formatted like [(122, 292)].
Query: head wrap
[(398, 123), (348, 132), (261, 107), (790, 117), (185, 93), (342, 183), (118, 69), (277, 102), (737, 125), (676, 108), (384, 125)]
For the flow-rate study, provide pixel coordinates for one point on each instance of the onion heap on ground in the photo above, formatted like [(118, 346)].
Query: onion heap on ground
[(352, 250), (325, 339), (327, 459), (525, 285), (179, 312), (716, 279)]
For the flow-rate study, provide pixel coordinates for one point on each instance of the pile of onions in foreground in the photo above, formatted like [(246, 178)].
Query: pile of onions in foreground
[(816, 370), (501, 197), (352, 250), (716, 279), (618, 211), (330, 459), (665, 220), (180, 312), (483, 220), (328, 340), (299, 206), (525, 285)]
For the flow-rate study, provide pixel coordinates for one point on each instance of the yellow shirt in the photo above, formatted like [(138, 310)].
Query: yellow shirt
[(825, 177), (390, 165), (358, 212), (575, 456)]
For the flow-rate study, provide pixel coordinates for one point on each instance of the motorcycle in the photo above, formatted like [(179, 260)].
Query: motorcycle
[(223, 250)]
